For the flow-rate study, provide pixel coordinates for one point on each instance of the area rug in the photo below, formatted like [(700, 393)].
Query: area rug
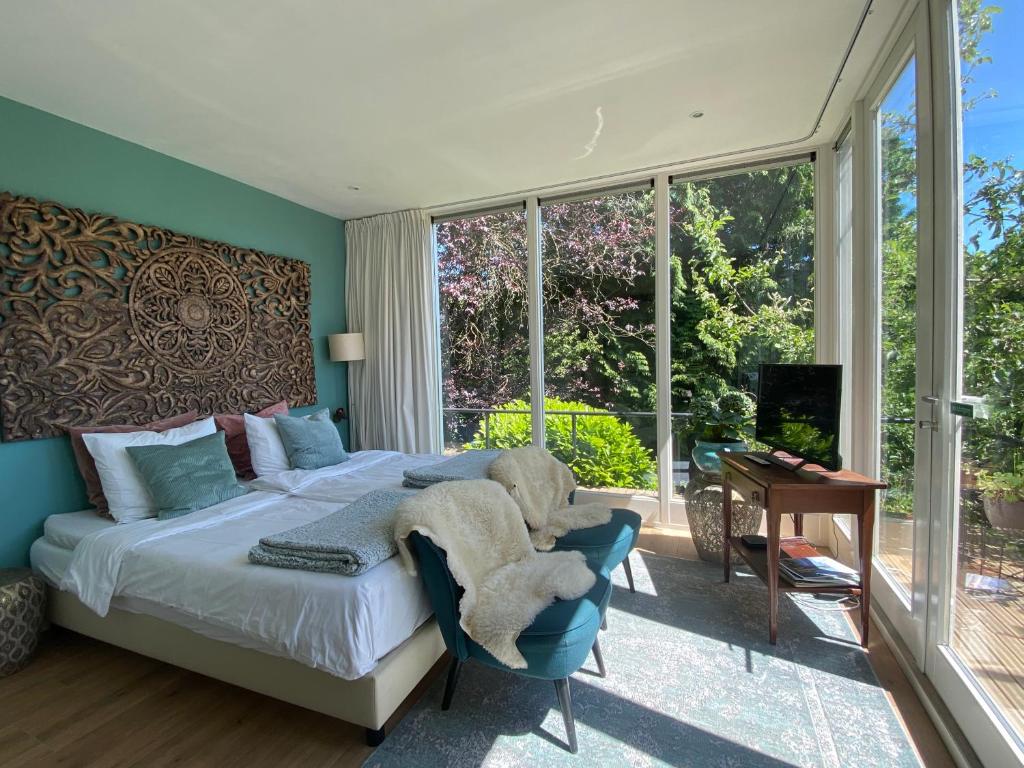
[(692, 681)]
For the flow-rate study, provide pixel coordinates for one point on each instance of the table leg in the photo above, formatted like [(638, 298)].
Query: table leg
[(798, 525), (774, 526), (726, 526), (866, 537)]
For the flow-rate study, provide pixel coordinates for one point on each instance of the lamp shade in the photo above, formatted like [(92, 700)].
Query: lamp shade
[(346, 346)]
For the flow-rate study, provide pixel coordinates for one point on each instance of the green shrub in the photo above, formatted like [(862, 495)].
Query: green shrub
[(607, 454), (1002, 486)]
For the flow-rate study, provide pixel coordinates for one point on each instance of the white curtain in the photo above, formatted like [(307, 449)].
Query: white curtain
[(394, 395)]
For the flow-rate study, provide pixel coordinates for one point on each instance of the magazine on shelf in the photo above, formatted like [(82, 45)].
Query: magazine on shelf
[(817, 572)]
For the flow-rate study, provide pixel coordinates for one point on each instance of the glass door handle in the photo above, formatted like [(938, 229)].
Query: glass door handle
[(929, 423)]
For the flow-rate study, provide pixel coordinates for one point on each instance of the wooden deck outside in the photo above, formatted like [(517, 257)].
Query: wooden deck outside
[(988, 624), (988, 635)]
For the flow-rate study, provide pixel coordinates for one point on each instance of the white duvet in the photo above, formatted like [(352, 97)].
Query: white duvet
[(344, 483), (197, 566)]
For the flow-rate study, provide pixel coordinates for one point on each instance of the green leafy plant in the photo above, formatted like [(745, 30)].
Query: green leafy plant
[(606, 452), (723, 416), (1002, 486)]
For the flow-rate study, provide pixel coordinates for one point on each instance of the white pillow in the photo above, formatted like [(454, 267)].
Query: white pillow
[(126, 491), (265, 446)]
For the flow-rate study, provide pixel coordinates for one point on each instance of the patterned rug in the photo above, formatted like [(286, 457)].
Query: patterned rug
[(692, 681)]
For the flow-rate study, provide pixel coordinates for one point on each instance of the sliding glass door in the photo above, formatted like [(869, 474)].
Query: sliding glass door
[(976, 650), (946, 299), (900, 414)]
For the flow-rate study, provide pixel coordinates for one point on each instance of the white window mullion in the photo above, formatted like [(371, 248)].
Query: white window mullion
[(826, 288), (535, 299), (663, 344), (439, 445), (867, 273)]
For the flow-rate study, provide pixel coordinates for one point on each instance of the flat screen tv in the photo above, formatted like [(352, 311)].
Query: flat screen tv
[(798, 411)]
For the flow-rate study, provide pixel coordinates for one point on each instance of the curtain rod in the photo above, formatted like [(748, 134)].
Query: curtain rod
[(474, 213)]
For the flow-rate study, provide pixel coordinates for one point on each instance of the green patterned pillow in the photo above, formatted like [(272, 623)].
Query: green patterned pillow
[(311, 442), (187, 477)]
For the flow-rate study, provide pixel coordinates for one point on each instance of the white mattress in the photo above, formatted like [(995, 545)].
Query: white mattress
[(68, 529), (49, 560), (194, 571)]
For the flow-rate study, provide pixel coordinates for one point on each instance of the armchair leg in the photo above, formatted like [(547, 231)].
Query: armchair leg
[(599, 658), (453, 680), (604, 622), (629, 574), (562, 688), (374, 737)]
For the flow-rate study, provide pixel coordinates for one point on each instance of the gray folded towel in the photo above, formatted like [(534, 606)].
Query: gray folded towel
[(471, 465), (349, 542)]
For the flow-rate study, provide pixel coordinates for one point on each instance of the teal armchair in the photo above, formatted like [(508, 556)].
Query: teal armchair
[(606, 546), (555, 645)]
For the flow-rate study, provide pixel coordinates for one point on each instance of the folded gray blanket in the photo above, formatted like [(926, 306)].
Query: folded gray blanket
[(471, 465), (350, 541)]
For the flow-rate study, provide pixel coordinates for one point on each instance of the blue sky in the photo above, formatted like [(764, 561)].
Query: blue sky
[(994, 129)]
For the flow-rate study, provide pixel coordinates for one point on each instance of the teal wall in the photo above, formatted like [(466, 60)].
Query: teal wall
[(47, 157)]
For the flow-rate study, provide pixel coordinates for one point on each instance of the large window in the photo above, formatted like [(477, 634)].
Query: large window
[(742, 250), (739, 277), (599, 338), (485, 346)]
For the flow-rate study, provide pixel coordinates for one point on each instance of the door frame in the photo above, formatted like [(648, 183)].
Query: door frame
[(907, 612)]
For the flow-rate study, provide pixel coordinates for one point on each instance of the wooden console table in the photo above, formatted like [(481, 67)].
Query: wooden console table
[(804, 491)]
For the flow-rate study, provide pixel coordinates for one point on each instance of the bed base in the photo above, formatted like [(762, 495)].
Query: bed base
[(368, 701)]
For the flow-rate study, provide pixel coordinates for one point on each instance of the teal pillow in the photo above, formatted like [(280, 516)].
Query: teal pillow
[(311, 441), (187, 477)]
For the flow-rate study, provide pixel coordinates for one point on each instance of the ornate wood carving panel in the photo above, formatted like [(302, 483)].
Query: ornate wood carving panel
[(106, 321)]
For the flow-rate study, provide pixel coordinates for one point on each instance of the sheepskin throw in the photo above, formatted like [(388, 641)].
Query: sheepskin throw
[(540, 484), (506, 582)]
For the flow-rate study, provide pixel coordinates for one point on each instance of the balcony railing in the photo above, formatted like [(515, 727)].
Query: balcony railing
[(487, 413)]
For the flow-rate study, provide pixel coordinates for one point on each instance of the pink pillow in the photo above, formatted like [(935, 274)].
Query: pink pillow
[(86, 465), (233, 427)]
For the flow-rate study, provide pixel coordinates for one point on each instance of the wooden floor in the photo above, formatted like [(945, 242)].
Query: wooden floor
[(85, 703)]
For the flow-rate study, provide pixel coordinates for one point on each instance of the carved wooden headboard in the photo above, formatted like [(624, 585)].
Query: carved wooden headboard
[(106, 321)]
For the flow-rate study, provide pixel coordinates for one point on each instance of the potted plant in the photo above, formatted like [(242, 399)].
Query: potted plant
[(1003, 498), (720, 421)]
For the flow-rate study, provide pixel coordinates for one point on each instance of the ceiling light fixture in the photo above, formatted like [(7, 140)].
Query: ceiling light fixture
[(696, 113), (353, 188)]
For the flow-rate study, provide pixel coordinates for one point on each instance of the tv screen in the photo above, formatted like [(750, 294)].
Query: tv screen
[(798, 411)]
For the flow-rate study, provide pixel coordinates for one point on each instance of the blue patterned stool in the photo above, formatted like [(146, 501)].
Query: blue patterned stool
[(22, 608)]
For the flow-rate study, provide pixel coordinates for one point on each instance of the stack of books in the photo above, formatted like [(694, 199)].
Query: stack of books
[(817, 572)]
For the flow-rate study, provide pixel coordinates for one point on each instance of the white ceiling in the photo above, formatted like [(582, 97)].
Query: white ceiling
[(424, 103)]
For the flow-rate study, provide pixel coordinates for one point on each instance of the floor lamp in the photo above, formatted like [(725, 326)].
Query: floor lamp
[(345, 348)]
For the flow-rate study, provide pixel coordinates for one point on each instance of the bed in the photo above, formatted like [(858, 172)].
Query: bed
[(183, 591)]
